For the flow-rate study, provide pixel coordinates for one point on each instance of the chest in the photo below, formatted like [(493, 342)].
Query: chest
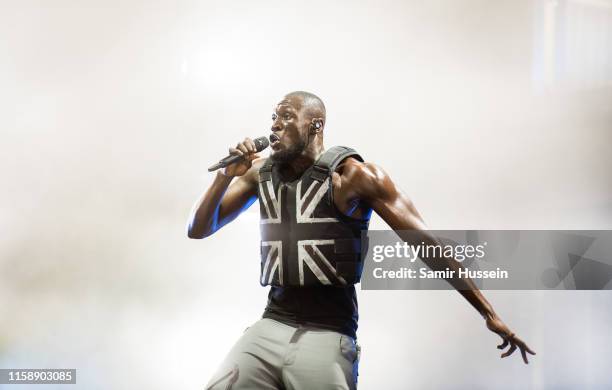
[(308, 200), (305, 237)]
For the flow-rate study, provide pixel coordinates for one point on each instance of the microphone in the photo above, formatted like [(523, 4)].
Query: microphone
[(260, 144)]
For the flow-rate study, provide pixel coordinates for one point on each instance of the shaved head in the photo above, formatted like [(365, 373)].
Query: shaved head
[(313, 106), (297, 128)]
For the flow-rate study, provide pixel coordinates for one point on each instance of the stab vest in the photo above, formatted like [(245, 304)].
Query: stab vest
[(305, 239)]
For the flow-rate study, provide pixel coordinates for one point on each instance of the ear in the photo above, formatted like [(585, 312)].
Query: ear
[(316, 125)]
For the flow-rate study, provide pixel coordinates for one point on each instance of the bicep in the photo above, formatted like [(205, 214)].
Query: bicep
[(239, 196), (388, 201), (398, 211)]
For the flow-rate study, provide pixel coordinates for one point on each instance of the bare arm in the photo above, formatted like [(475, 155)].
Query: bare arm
[(376, 188), (221, 203)]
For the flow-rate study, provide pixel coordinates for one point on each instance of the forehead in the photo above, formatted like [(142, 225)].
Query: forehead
[(291, 103)]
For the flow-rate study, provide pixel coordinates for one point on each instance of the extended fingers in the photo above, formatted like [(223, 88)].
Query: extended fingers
[(524, 354), (510, 351), (503, 345), (511, 339), (524, 350)]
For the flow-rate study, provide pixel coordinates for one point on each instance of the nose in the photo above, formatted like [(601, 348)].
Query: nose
[(276, 126)]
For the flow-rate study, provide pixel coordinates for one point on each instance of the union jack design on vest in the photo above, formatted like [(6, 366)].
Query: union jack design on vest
[(304, 240)]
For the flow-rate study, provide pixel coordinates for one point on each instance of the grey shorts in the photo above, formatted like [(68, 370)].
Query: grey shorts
[(272, 355)]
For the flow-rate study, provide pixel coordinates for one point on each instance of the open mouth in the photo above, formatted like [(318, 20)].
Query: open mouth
[(274, 139)]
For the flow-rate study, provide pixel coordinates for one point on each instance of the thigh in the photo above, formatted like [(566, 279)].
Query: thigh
[(253, 362), (324, 361)]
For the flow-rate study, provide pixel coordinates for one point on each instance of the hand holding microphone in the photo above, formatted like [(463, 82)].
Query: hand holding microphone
[(240, 158)]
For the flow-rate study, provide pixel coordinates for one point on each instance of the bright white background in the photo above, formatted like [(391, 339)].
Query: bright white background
[(489, 114)]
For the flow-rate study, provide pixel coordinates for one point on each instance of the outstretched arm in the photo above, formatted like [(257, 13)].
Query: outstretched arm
[(219, 204), (375, 187)]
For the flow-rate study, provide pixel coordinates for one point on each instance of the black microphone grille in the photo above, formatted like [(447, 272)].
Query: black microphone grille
[(261, 143)]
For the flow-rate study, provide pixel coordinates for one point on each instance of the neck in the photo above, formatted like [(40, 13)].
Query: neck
[(296, 167)]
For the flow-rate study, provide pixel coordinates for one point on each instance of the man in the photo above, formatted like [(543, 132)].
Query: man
[(314, 204)]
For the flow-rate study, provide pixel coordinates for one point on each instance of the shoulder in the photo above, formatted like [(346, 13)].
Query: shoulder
[(351, 168), (366, 178), (258, 163)]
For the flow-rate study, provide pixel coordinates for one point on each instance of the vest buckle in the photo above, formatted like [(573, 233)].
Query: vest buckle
[(319, 173)]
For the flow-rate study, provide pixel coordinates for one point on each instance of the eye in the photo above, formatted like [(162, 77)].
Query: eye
[(287, 116)]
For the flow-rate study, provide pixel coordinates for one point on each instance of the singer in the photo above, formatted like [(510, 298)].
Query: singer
[(314, 203)]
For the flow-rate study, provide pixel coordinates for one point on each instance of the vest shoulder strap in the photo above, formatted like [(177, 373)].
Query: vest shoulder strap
[(328, 162), (322, 168)]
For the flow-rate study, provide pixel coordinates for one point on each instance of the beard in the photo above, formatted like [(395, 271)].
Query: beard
[(286, 155)]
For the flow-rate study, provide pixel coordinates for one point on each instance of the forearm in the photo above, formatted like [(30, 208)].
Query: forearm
[(204, 219), (479, 302), (464, 285)]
